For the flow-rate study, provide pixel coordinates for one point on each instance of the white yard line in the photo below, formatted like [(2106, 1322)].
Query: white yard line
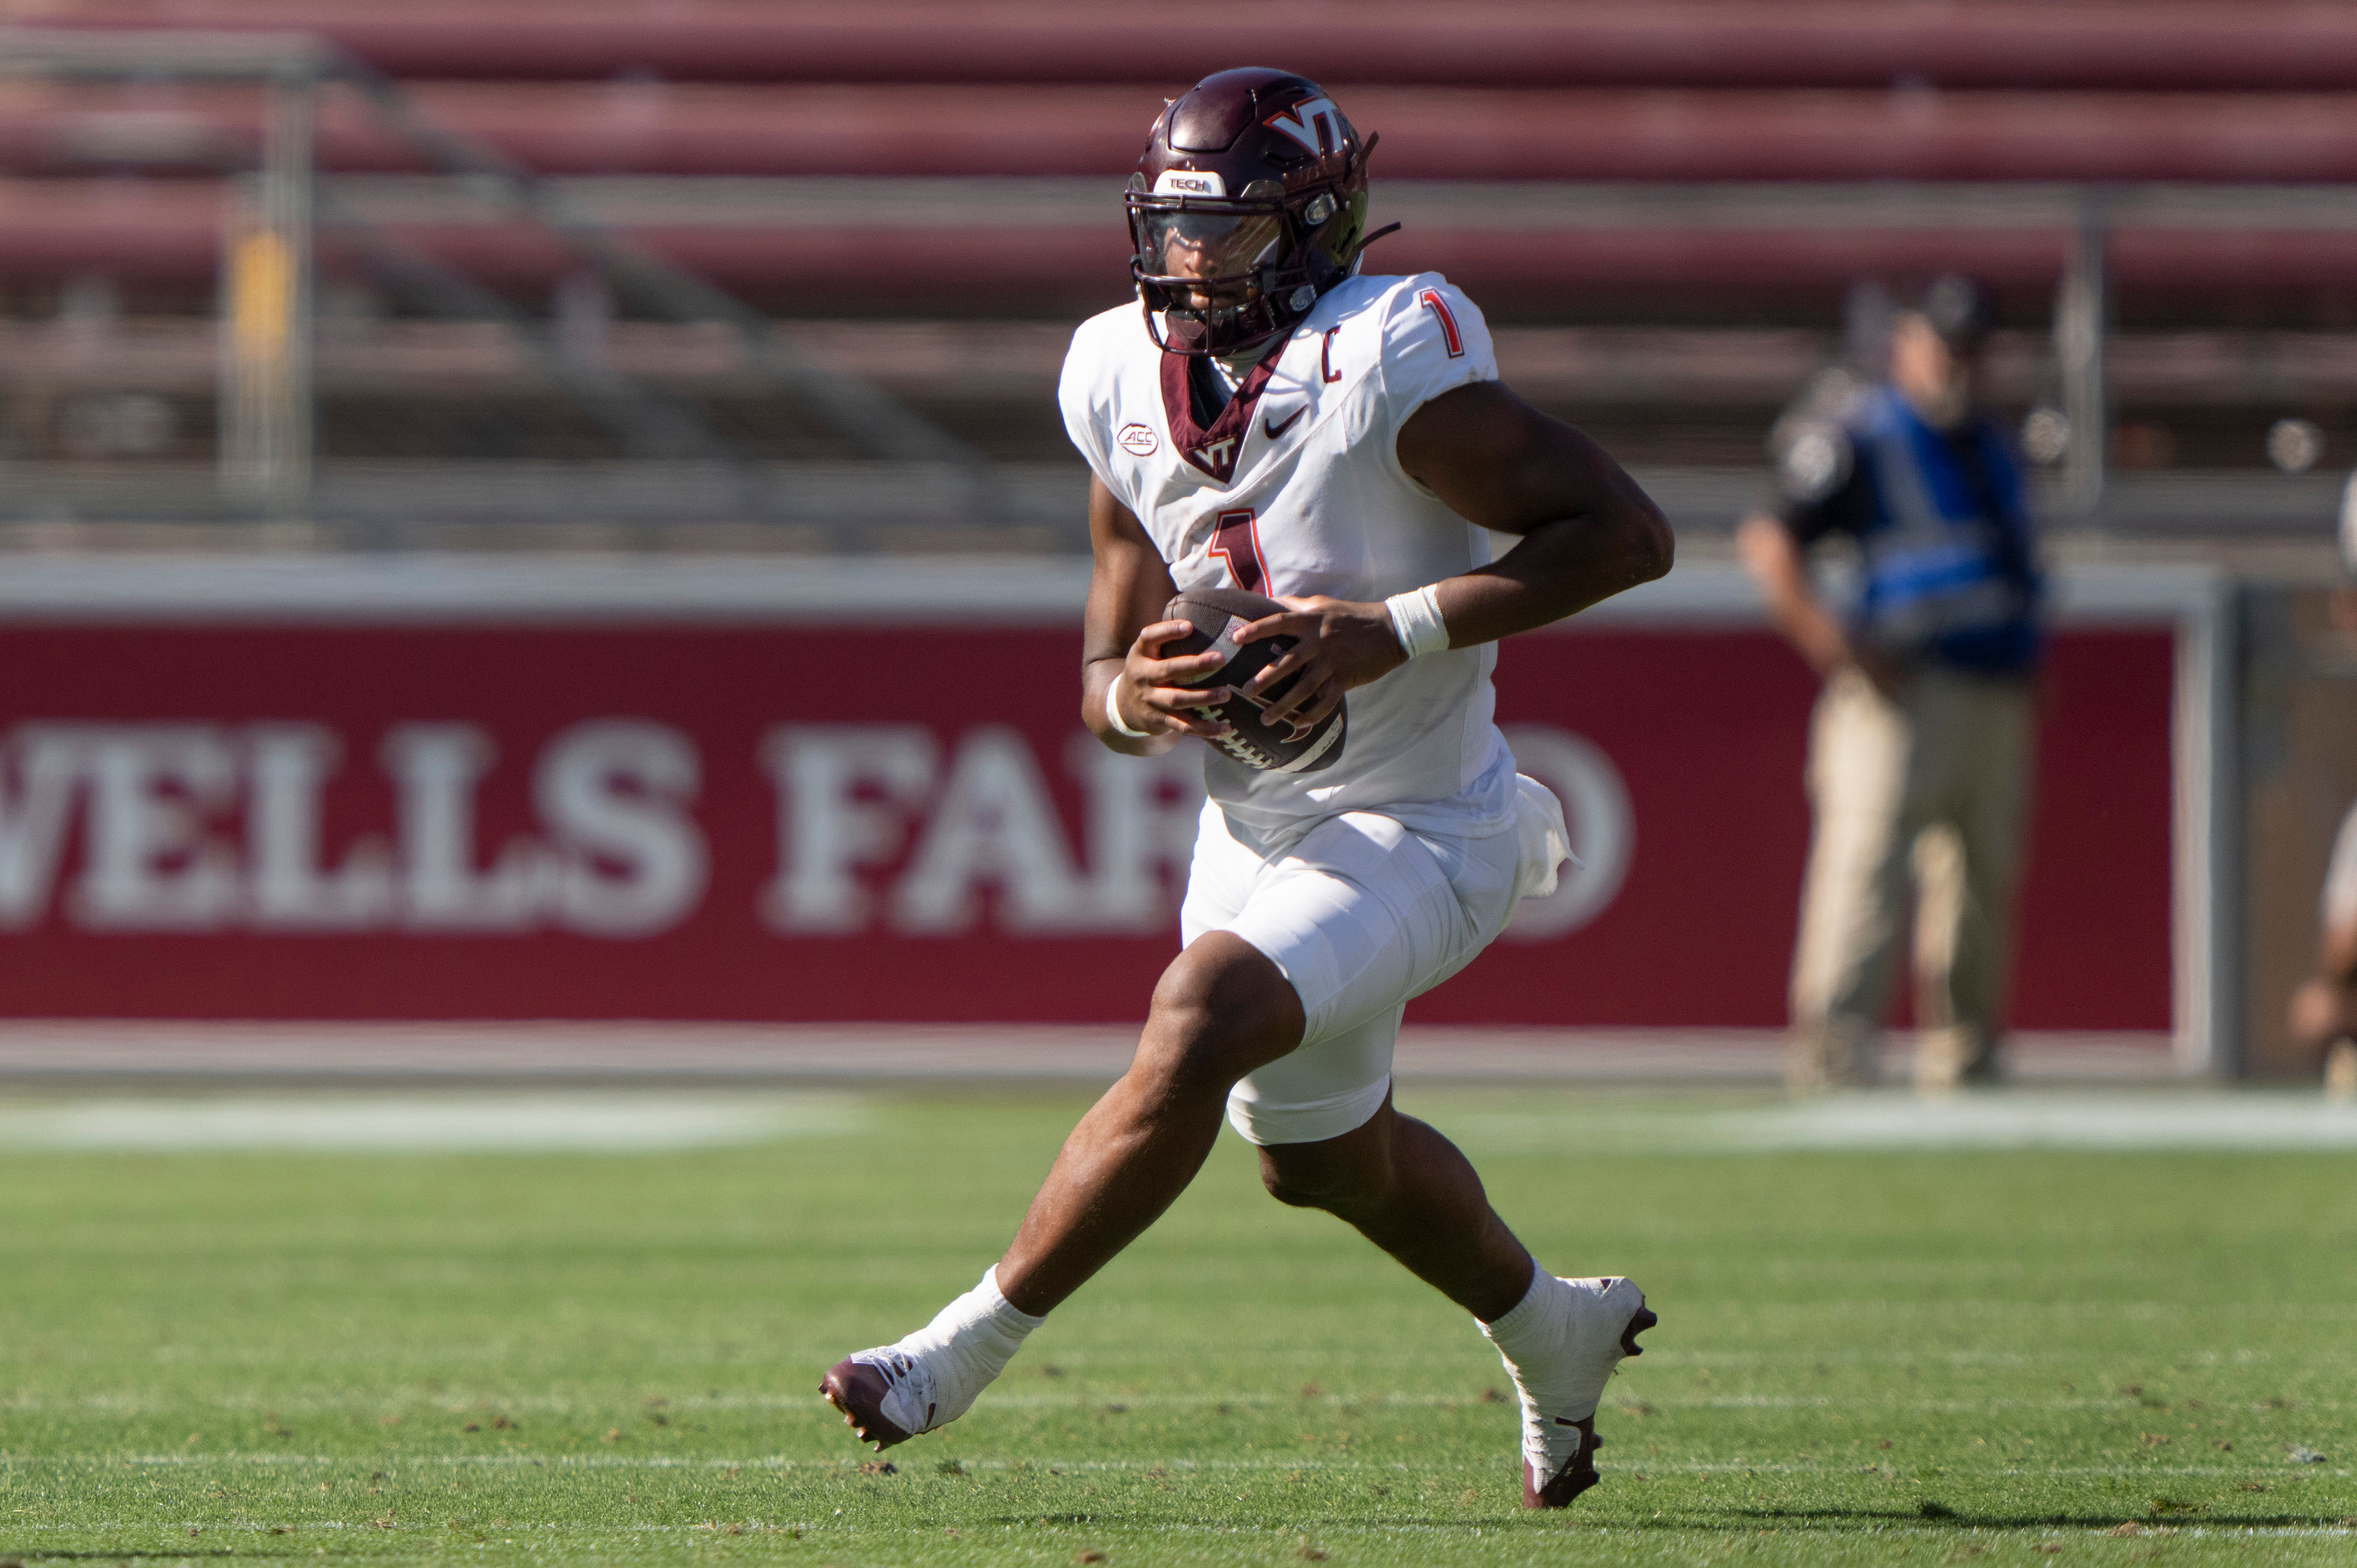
[(540, 1407), (653, 1118), (2130, 1119), (36, 1049), (541, 1122), (1950, 1471), (2054, 1119)]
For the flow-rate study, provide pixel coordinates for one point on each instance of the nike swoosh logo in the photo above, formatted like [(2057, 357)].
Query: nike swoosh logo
[(1273, 430)]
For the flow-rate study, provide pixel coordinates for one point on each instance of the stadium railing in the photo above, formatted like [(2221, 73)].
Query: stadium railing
[(745, 165)]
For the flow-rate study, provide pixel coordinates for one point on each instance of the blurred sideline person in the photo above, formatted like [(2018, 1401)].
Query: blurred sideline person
[(1921, 746), (2324, 1008), (1265, 419)]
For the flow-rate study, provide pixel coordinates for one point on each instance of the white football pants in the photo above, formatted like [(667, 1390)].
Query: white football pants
[(1361, 915)]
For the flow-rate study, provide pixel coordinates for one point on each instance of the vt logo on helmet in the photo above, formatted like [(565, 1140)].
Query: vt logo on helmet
[(1249, 202)]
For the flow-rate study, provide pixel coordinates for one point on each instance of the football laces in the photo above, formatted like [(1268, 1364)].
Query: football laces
[(1245, 752)]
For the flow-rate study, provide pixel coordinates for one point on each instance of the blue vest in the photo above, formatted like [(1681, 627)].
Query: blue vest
[(1948, 573)]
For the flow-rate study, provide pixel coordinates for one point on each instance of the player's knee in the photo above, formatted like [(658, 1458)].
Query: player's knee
[(1296, 1188), (1345, 1191), (1291, 1196), (1221, 1010), (1346, 1177)]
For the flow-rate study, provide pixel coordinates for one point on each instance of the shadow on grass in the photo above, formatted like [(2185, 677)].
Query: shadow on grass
[(1312, 1522), (1829, 1519)]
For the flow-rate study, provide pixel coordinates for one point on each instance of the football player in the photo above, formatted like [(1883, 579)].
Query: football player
[(1269, 419)]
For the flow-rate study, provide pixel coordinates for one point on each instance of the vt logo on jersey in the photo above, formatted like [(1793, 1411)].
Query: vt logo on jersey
[(1315, 123), (1212, 450)]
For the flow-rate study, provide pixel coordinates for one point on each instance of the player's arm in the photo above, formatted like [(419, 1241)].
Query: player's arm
[(1586, 532), (1122, 674)]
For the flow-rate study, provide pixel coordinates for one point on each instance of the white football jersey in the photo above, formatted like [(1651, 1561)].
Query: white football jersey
[(1295, 489)]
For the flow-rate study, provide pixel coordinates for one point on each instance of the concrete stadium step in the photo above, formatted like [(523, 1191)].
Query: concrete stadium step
[(1010, 360), (1856, 43), (819, 508), (1054, 246)]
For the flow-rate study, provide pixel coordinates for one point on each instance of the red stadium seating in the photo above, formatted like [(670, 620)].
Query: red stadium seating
[(2246, 43), (1427, 133), (2250, 94)]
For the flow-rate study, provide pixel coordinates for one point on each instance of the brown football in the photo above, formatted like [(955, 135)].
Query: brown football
[(1217, 614)]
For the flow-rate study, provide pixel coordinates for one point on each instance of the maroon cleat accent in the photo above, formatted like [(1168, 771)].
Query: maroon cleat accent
[(857, 1390), (1644, 1319), (1579, 1472)]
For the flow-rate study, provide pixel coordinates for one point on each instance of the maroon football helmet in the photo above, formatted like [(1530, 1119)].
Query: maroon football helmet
[(1249, 202)]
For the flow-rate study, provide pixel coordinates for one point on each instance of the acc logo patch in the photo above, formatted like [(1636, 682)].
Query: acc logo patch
[(1137, 440)]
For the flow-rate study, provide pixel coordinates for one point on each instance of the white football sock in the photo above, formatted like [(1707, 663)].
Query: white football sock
[(1508, 1331), (982, 1329), (1560, 1343), (956, 1356)]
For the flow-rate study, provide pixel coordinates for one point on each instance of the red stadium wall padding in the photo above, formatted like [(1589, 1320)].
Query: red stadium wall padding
[(766, 822)]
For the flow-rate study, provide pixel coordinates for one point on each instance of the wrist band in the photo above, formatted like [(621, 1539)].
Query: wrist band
[(1113, 712), (1415, 621)]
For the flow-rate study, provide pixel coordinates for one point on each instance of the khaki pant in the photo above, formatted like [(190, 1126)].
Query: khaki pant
[(1933, 787)]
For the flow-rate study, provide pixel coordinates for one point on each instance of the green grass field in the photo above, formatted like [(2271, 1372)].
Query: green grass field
[(1864, 1356)]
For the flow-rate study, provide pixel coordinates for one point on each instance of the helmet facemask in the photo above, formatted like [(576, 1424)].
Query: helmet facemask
[(1220, 274)]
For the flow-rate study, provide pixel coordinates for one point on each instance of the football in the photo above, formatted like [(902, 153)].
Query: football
[(1217, 614)]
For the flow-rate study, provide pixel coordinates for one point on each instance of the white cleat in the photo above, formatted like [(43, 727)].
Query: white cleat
[(1590, 1325)]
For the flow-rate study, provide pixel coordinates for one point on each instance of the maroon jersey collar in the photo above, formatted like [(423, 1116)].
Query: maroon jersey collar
[(1214, 451)]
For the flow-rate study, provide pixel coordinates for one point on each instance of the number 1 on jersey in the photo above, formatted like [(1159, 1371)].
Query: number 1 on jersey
[(1236, 541), (1430, 299)]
